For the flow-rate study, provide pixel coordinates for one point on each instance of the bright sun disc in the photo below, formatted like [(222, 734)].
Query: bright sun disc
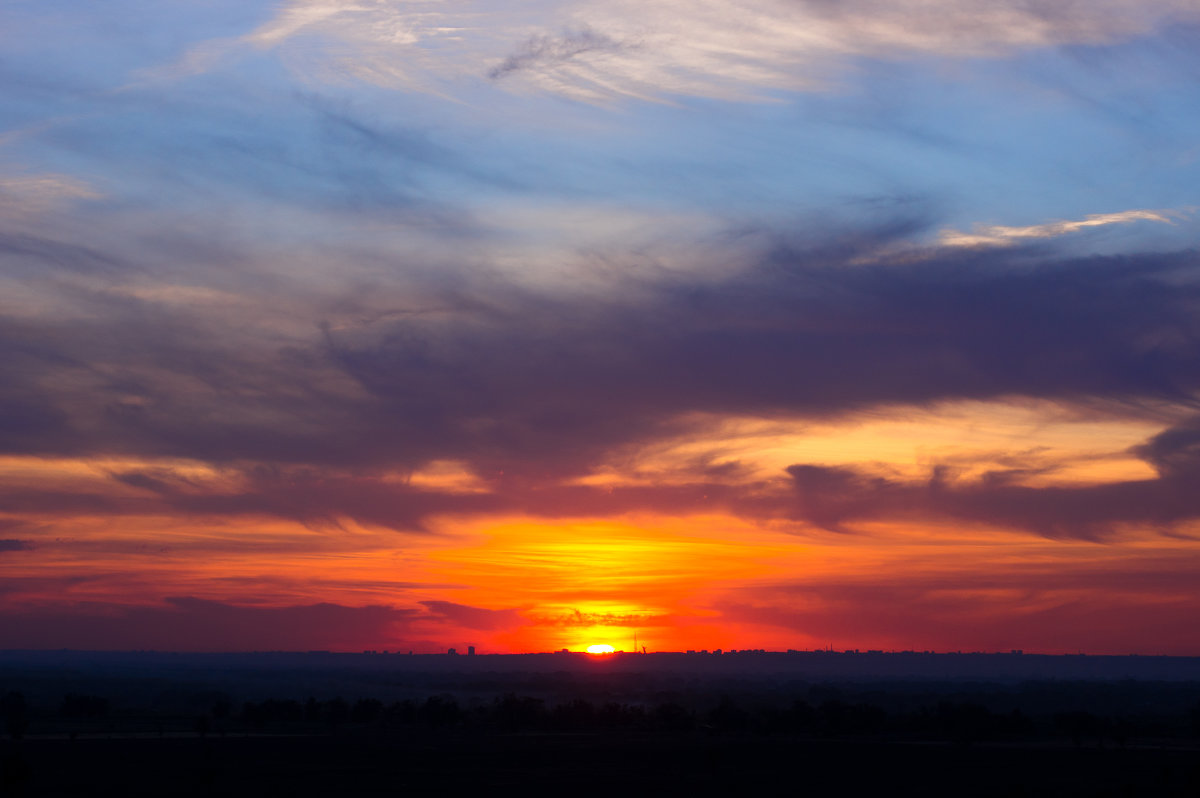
[(600, 649)]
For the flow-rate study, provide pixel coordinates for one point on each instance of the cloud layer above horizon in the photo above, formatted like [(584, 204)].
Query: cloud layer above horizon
[(414, 324)]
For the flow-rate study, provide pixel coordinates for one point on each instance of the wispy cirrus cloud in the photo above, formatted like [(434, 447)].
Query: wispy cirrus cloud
[(1003, 236), (602, 50), (25, 194)]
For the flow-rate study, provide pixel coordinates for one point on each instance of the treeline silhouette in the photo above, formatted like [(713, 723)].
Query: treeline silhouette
[(987, 740), (1081, 713), (947, 720)]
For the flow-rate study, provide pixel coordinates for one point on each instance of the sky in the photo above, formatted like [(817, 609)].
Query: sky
[(409, 324)]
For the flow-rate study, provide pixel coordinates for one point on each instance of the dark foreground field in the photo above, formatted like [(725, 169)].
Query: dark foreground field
[(331, 725), (583, 764)]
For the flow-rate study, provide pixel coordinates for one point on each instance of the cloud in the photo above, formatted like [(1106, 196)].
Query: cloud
[(313, 403), (542, 52), (11, 544), (835, 498), (591, 619), (1000, 236), (525, 379), (28, 194), (187, 623), (1174, 452), (600, 50), (473, 617), (507, 378), (192, 624), (1129, 602)]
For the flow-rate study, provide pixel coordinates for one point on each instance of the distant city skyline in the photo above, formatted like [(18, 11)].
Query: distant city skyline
[(763, 324)]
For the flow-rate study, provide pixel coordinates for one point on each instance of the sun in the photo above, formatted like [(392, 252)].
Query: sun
[(600, 649)]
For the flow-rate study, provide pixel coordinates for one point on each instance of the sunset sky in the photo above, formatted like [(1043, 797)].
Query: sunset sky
[(408, 324)]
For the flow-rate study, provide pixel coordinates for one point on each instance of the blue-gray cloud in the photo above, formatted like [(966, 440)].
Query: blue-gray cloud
[(192, 624), (510, 379), (12, 544), (473, 617)]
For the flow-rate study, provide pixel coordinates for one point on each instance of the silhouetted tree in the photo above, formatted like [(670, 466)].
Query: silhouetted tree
[(272, 710), (83, 706), (1079, 725), (966, 722), (440, 710), (366, 710), (727, 716), (518, 712), (222, 708), (673, 717), (15, 710), (619, 716), (832, 716), (403, 712), (202, 725), (335, 712), (801, 717), (575, 715)]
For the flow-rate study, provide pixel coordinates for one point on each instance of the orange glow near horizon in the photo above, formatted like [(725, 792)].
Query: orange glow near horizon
[(666, 580), (670, 584)]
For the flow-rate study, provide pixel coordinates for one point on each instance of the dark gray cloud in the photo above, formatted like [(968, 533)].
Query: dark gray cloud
[(516, 381), (832, 498), (65, 501), (520, 381), (192, 624), (12, 544), (36, 253), (473, 617), (528, 388), (321, 498), (550, 52), (1174, 452)]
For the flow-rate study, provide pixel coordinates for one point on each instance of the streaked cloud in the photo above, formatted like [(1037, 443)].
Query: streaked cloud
[(1001, 236), (473, 617), (1040, 603), (22, 194), (190, 624), (13, 544), (603, 50)]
